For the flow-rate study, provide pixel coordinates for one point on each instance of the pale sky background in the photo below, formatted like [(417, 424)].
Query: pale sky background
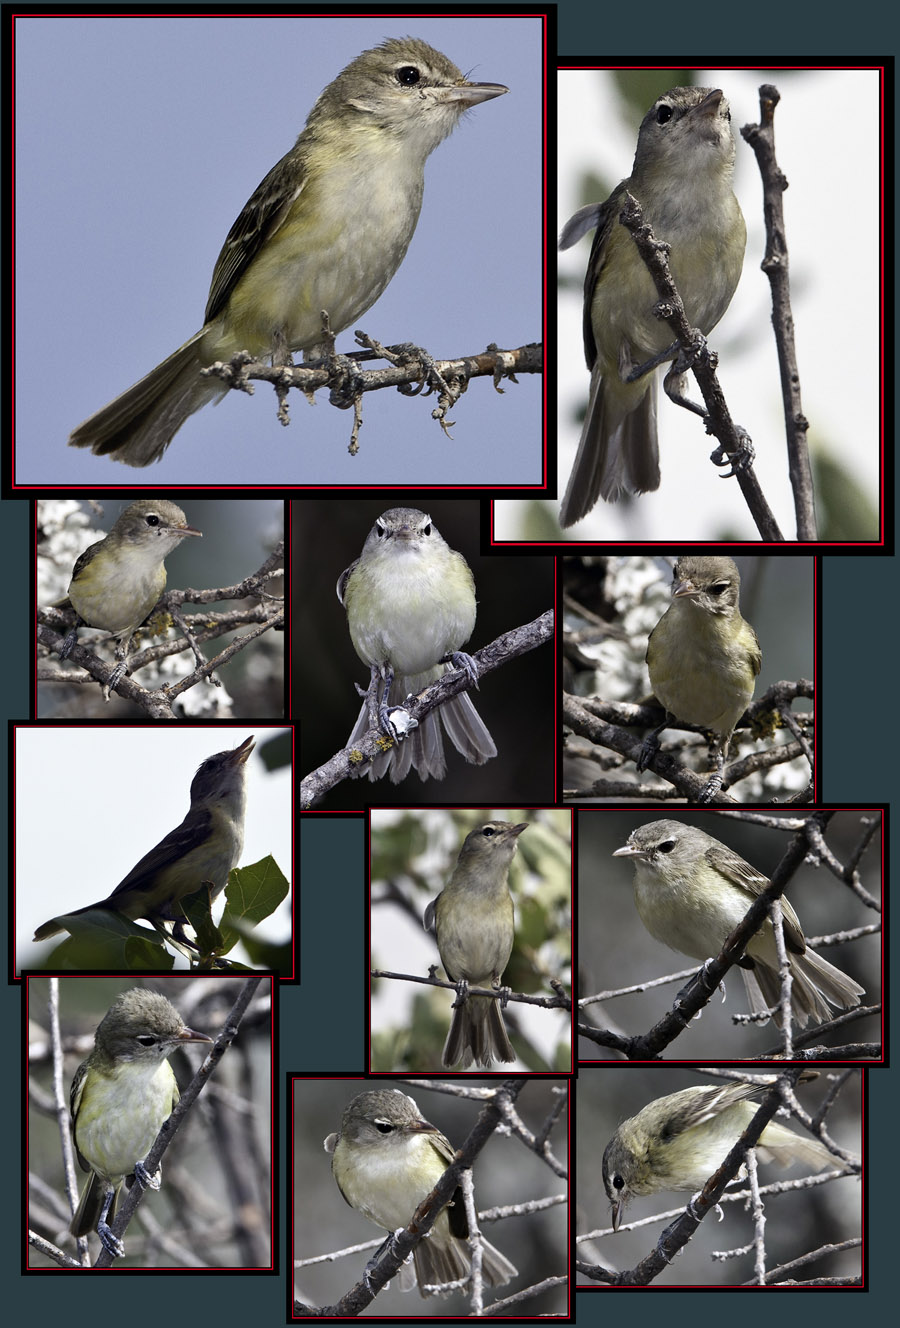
[(826, 129), (138, 143), (90, 802)]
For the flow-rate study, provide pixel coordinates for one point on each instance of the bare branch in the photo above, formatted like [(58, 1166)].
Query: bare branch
[(702, 362), (404, 1242), (267, 613), (229, 1031), (602, 723), (559, 1002), (412, 371), (775, 264), (347, 763)]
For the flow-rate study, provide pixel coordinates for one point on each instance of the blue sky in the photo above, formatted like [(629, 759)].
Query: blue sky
[(138, 142)]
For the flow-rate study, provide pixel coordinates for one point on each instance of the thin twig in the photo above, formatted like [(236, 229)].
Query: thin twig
[(352, 761), (761, 138), (501, 994)]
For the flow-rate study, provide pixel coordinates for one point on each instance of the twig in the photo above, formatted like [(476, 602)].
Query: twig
[(602, 723), (761, 138), (423, 1219), (412, 368), (703, 362), (350, 762), (559, 1002)]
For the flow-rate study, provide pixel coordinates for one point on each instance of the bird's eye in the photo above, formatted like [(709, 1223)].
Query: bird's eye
[(146, 1039), (618, 1182), (408, 75), (381, 528), (426, 527), (664, 113), (152, 519), (718, 588), (489, 831), (383, 1126), (666, 846)]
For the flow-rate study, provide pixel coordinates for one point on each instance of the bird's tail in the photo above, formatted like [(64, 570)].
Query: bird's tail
[(816, 986), (90, 1206), (618, 451), (477, 1033), (58, 924), (422, 749), (139, 425)]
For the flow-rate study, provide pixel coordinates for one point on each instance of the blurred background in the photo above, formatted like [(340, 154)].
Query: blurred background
[(237, 538), (599, 114), (113, 793), (613, 604)]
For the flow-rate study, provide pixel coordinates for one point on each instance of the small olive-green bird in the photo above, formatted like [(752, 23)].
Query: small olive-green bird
[(386, 1159), (117, 581), (677, 1142), (119, 1099), (683, 178), (691, 891), (325, 230), (474, 924), (703, 657), (201, 851)]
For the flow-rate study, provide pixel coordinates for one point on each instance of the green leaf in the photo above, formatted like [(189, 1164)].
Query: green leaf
[(103, 939), (140, 954), (197, 911), (252, 893)]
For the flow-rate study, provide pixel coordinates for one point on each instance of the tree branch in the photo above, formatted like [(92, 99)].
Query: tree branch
[(267, 614), (412, 371), (351, 762), (602, 723), (558, 1002), (676, 1236), (427, 1213), (761, 138), (703, 363)]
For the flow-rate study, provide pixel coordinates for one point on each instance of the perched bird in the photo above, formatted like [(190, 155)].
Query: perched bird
[(325, 231), (410, 602), (117, 581), (683, 179), (386, 1159), (202, 850), (474, 924), (691, 891), (119, 1099), (703, 657), (677, 1142)]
